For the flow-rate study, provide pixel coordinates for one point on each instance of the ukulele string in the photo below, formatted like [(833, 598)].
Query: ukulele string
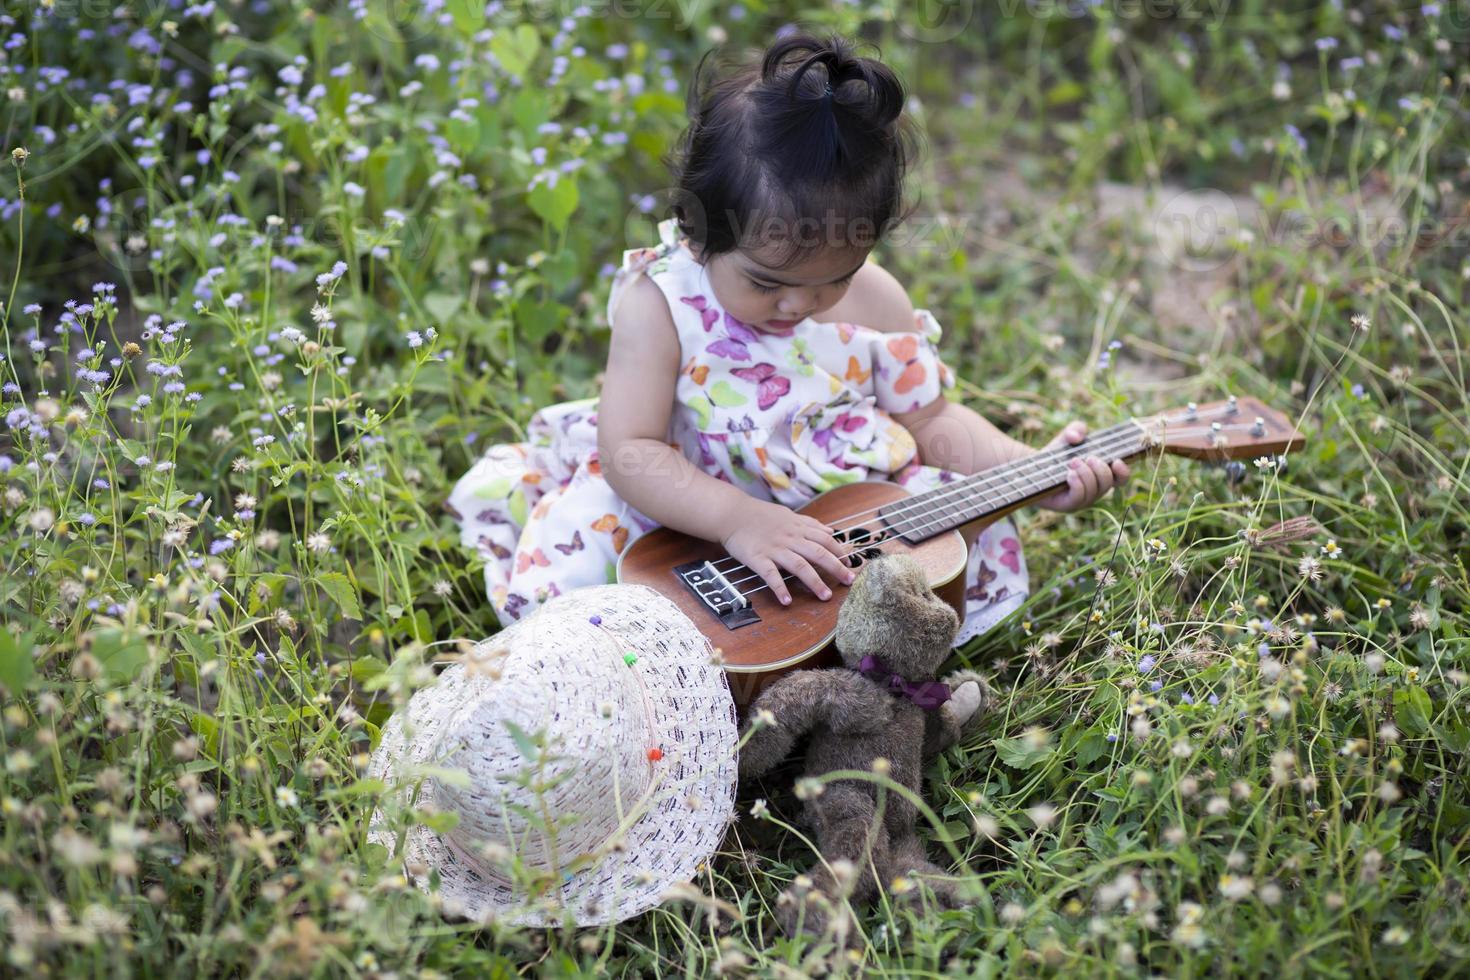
[(995, 478), (883, 536), (1115, 441), (986, 477), (1113, 438)]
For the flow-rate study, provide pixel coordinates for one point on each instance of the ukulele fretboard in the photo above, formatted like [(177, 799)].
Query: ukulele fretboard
[(1005, 486)]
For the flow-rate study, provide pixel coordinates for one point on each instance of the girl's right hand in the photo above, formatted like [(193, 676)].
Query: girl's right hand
[(768, 537)]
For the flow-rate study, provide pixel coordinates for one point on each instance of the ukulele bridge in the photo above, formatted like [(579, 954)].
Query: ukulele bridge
[(727, 603)]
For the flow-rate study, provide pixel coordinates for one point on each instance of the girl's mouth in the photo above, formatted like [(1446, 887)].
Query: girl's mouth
[(782, 324)]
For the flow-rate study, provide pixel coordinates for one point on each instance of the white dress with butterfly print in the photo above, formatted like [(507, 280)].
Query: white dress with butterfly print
[(784, 416)]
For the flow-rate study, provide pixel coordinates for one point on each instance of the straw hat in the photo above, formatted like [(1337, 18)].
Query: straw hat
[(637, 764)]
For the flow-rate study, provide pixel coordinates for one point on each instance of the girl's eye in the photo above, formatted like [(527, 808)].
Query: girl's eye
[(762, 288)]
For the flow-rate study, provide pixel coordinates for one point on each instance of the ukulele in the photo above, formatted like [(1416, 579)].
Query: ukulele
[(759, 639)]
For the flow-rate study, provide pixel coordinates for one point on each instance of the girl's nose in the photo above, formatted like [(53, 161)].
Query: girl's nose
[(793, 303)]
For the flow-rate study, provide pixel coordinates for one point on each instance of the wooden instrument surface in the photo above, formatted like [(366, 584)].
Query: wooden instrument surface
[(786, 636)]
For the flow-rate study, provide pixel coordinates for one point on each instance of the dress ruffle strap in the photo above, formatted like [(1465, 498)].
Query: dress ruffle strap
[(908, 371), (637, 260)]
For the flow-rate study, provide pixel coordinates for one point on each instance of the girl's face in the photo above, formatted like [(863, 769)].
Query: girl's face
[(777, 299)]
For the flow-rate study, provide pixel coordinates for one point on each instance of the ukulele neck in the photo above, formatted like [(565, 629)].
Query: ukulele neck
[(1007, 486)]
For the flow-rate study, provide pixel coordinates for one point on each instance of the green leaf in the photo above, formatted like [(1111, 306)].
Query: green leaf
[(1412, 709), (524, 743), (537, 320), (515, 50), (342, 593), (1022, 753), (1090, 748), (266, 587), (366, 668), (443, 305), (122, 656), (554, 202), (16, 666), (469, 15), (209, 728)]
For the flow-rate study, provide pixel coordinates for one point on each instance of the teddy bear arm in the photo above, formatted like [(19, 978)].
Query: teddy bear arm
[(801, 701), (941, 730)]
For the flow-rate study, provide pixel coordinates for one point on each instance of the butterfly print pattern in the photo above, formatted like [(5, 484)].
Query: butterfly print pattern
[(783, 415)]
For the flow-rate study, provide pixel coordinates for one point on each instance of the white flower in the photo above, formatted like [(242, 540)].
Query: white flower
[(1042, 814), (1236, 887), (286, 796), (318, 542)]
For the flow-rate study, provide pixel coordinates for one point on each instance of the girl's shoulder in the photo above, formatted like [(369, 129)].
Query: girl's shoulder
[(650, 262)]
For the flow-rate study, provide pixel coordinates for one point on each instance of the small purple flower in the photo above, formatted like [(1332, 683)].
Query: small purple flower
[(1155, 685), (1326, 43), (1358, 391), (87, 518), (1147, 663), (1214, 699), (220, 546), (1186, 698)]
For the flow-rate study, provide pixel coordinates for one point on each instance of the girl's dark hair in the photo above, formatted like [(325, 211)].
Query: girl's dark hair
[(806, 150)]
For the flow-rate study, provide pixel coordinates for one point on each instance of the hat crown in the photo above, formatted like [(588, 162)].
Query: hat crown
[(554, 748)]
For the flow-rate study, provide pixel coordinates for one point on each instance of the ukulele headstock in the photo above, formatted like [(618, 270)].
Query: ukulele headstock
[(1235, 428)]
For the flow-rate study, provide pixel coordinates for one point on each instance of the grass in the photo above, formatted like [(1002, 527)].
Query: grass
[(1234, 705)]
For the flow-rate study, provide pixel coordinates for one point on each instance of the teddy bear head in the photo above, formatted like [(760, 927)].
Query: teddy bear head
[(891, 613)]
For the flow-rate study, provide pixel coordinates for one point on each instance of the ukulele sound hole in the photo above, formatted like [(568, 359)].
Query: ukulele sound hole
[(860, 540)]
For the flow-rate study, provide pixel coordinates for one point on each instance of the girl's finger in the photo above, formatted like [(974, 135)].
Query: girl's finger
[(802, 569), (818, 555), (1102, 472), (767, 570), (1121, 471), (822, 535), (1087, 479)]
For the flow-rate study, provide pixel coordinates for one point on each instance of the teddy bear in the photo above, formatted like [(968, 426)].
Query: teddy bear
[(893, 633)]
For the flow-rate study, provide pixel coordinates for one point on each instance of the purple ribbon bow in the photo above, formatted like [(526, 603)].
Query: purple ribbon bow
[(928, 695)]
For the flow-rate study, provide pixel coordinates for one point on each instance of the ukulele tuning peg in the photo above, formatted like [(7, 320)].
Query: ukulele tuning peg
[(1259, 428), (1191, 411), (1232, 407)]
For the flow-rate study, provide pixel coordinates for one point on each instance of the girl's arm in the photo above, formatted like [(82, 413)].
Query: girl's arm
[(950, 435), (633, 424)]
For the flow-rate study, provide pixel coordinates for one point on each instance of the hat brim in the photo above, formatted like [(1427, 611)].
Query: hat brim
[(685, 818)]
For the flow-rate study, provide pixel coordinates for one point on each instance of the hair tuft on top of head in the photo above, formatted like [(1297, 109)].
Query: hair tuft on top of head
[(810, 135)]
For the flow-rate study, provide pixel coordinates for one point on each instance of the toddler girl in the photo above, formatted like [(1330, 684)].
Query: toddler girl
[(758, 358)]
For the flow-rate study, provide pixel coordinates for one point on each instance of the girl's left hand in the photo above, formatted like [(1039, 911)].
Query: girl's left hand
[(1090, 477)]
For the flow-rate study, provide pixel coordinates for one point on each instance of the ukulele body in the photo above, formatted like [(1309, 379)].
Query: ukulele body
[(798, 636)]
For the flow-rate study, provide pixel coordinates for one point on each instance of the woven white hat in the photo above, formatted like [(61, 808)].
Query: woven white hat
[(638, 767)]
